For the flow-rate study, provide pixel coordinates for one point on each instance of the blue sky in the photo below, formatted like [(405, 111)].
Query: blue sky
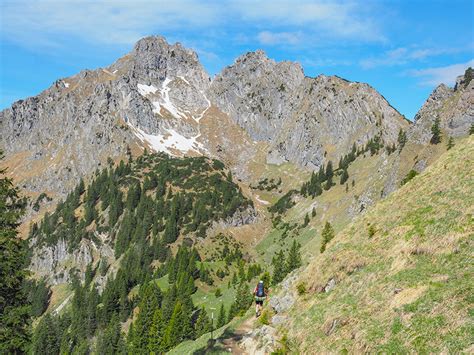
[(402, 48)]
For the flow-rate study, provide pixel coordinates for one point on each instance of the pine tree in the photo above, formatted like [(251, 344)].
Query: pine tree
[(39, 294), (436, 132), (14, 314), (344, 177), (327, 234), (294, 257), (450, 143), (150, 301), (471, 129), (329, 170), (203, 323), (221, 319), (155, 333), (174, 331), (111, 340), (402, 139), (46, 338), (279, 267), (306, 220)]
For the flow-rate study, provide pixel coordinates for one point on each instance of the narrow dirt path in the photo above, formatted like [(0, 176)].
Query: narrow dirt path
[(231, 343)]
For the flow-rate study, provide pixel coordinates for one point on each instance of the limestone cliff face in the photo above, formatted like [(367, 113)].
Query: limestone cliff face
[(301, 117), (70, 129), (453, 107), (159, 96)]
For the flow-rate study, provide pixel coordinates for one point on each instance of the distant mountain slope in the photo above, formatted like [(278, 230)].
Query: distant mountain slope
[(159, 96), (453, 107), (304, 119), (399, 278)]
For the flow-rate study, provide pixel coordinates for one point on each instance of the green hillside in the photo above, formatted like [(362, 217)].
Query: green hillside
[(403, 272), (159, 289)]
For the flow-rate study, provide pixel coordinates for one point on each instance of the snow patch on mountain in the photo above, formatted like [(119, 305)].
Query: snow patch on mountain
[(165, 101), (146, 89), (170, 142), (184, 79)]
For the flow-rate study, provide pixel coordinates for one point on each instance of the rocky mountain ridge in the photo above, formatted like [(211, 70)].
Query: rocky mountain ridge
[(454, 107), (160, 97)]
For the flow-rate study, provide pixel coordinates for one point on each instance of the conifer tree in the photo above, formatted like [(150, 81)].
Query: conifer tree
[(111, 340), (221, 319), (329, 170), (46, 338), (174, 331), (471, 129), (402, 139), (14, 308), (203, 323), (279, 267), (38, 295), (326, 235), (450, 143), (436, 132), (151, 300), (344, 177), (306, 220), (155, 333), (294, 257)]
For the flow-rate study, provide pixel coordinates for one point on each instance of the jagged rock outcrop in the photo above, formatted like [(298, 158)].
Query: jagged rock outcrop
[(55, 262), (453, 107), (70, 129), (301, 117), (159, 96)]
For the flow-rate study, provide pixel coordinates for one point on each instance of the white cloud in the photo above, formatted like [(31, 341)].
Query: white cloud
[(337, 18), (285, 38), (48, 23), (404, 55), (441, 75)]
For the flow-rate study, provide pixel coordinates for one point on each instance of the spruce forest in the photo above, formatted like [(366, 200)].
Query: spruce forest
[(145, 205)]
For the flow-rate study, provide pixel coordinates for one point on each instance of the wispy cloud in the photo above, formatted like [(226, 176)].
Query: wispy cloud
[(49, 23), (404, 55), (340, 19), (279, 38), (441, 75)]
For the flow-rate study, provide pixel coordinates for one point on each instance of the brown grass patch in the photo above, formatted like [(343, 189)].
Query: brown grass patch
[(407, 296)]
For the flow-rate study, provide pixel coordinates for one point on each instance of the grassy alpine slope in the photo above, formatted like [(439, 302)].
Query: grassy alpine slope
[(403, 271)]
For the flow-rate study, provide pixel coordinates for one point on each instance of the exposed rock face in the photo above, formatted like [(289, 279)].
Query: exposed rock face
[(55, 262), (157, 95), (453, 107), (301, 117), (71, 128), (260, 341)]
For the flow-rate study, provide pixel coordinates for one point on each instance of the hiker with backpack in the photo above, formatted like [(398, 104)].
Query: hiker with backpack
[(260, 293)]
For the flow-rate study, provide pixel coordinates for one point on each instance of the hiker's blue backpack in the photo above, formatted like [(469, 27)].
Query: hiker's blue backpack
[(260, 290)]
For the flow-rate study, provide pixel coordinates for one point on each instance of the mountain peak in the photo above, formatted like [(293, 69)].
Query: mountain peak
[(158, 45), (462, 81), (258, 56), (150, 43)]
